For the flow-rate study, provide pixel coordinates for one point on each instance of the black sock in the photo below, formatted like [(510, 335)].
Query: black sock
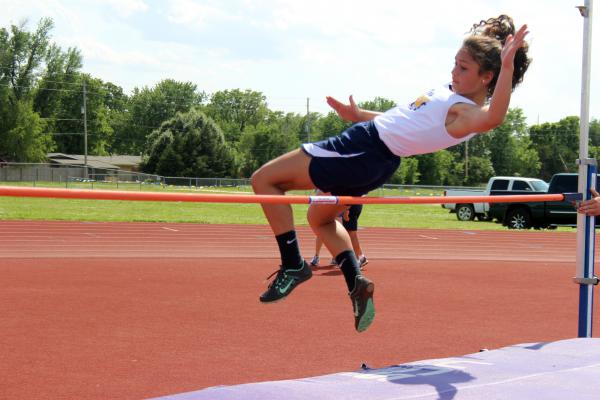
[(349, 266), (289, 250)]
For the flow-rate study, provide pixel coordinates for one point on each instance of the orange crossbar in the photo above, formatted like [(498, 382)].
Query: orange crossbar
[(18, 191)]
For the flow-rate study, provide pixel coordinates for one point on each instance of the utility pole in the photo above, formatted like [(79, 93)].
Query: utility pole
[(85, 138), (307, 125), (466, 161)]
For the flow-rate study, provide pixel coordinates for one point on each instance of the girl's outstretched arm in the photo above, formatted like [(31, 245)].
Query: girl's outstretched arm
[(351, 112), (483, 119)]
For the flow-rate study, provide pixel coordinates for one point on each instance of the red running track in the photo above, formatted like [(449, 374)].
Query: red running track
[(132, 311)]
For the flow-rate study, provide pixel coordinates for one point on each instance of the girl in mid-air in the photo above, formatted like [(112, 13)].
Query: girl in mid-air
[(490, 63)]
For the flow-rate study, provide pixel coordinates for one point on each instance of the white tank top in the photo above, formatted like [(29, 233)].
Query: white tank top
[(419, 127)]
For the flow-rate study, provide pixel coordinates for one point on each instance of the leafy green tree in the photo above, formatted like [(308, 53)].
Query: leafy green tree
[(426, 168), (557, 144), (307, 132), (510, 148), (170, 163), (69, 136), (148, 108), (115, 106), (189, 144), (161, 140), (527, 161), (268, 140), (377, 104), (441, 168), (408, 172), (328, 126), (25, 141), (480, 170), (502, 143), (443, 173), (22, 53), (60, 77), (235, 110)]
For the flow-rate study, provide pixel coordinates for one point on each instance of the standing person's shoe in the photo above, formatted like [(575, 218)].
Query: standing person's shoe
[(285, 281), (362, 303), (362, 261), (315, 261), (333, 262)]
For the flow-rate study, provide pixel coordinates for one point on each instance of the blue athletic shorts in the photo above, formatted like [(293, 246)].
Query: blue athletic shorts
[(353, 163), (353, 214)]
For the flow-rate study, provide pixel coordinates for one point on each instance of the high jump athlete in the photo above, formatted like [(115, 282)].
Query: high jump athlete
[(490, 63)]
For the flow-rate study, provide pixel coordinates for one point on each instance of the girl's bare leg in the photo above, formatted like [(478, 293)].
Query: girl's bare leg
[(287, 172), (323, 221)]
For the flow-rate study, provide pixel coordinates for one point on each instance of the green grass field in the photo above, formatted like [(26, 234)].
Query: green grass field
[(397, 216)]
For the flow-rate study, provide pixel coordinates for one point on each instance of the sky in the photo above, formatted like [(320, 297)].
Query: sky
[(296, 52)]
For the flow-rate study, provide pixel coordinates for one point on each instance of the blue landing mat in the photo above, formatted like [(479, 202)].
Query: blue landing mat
[(563, 370)]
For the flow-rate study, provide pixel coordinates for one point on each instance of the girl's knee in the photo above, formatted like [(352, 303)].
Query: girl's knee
[(312, 221), (264, 181), (256, 180), (317, 218)]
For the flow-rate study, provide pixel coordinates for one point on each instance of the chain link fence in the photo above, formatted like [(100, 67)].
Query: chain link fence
[(78, 177)]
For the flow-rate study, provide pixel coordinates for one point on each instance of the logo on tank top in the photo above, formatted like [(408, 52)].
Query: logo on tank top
[(418, 103)]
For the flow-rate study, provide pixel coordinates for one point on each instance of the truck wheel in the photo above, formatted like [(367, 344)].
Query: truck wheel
[(465, 212), (518, 218)]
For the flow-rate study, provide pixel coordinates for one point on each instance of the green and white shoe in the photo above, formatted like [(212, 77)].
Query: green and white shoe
[(285, 281), (362, 303)]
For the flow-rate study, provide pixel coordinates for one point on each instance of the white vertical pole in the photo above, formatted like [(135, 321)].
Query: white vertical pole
[(587, 173), (85, 136)]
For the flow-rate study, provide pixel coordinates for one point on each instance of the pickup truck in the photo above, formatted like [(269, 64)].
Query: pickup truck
[(468, 211), (547, 214)]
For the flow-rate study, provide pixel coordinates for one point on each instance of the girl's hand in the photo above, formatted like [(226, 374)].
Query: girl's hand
[(346, 216), (590, 207), (511, 45), (349, 112)]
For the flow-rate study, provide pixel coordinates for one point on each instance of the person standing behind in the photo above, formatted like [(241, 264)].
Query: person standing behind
[(349, 220)]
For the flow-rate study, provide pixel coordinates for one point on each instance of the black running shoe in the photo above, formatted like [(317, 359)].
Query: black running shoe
[(285, 281), (362, 303)]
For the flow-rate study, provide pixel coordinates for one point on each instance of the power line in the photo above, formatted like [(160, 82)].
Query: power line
[(61, 119)]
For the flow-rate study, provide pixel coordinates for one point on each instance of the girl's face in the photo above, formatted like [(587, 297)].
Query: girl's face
[(466, 79)]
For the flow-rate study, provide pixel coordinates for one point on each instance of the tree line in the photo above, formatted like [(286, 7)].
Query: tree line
[(181, 130)]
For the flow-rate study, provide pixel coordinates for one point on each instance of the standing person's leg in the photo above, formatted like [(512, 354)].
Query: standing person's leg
[(318, 245), (324, 221), (351, 225), (355, 243), (362, 258), (287, 172)]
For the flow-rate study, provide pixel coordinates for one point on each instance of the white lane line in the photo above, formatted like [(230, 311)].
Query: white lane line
[(428, 237), (170, 229)]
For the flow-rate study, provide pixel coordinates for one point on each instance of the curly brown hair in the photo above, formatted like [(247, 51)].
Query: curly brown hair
[(484, 44)]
